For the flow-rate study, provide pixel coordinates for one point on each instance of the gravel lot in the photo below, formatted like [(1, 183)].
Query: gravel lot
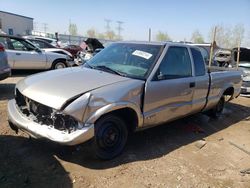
[(192, 152)]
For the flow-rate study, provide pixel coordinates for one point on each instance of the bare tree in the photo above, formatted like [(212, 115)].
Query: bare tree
[(247, 41), (160, 36), (72, 29), (228, 37), (91, 33), (197, 37), (237, 34)]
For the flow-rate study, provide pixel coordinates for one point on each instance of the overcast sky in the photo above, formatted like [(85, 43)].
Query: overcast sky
[(179, 18)]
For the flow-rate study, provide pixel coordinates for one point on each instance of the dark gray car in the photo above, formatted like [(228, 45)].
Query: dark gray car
[(5, 70)]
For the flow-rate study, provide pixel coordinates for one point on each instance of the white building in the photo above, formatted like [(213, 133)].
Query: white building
[(14, 24)]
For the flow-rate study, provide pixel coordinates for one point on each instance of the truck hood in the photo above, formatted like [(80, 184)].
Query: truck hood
[(55, 88)]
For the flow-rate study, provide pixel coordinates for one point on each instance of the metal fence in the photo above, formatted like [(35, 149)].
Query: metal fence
[(69, 39)]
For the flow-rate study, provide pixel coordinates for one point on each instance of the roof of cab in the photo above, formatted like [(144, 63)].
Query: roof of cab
[(155, 43)]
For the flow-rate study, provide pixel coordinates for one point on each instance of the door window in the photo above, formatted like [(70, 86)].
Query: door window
[(21, 45), (175, 64), (198, 62)]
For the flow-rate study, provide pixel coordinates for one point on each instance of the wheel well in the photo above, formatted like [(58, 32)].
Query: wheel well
[(58, 60), (229, 92), (129, 116)]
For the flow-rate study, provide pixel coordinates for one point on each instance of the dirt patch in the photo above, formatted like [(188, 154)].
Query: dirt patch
[(164, 156)]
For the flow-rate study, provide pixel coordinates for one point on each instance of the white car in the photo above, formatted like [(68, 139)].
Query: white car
[(51, 41), (22, 54)]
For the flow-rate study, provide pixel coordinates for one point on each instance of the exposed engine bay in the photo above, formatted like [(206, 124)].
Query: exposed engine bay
[(45, 115)]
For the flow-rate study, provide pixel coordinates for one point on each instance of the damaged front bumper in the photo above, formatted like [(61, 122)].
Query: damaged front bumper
[(19, 121)]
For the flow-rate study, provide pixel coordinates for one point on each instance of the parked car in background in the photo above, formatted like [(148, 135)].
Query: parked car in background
[(41, 43), (49, 48), (221, 57), (5, 70), (93, 44), (51, 41), (22, 54), (73, 49), (127, 86), (244, 65)]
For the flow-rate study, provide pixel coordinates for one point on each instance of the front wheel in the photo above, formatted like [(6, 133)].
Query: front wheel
[(110, 137), (218, 109)]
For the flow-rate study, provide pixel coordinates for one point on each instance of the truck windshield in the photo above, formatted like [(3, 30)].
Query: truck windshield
[(126, 59)]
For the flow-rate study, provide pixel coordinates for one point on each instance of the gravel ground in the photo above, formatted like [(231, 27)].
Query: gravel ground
[(192, 152)]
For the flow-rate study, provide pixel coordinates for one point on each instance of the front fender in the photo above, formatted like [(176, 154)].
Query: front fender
[(112, 107)]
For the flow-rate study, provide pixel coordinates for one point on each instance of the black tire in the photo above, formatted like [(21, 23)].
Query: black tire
[(218, 109), (111, 135), (59, 64)]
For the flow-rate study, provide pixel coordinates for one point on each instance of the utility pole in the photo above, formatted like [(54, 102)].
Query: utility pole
[(149, 34), (35, 26), (45, 27), (119, 28), (107, 24)]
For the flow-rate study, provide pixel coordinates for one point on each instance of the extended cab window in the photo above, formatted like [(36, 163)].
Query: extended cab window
[(198, 62), (175, 64)]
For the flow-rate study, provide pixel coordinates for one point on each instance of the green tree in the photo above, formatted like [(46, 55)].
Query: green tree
[(197, 37), (160, 36), (72, 29)]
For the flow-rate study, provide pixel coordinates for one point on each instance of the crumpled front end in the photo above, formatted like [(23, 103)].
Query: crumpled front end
[(41, 121)]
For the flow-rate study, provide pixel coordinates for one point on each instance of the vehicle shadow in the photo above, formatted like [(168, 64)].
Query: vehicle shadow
[(159, 141), (21, 73), (7, 88), (7, 91), (25, 163)]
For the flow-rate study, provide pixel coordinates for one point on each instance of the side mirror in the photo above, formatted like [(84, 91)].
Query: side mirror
[(160, 76)]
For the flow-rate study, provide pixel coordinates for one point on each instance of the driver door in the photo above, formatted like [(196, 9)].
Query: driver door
[(169, 95), (25, 56)]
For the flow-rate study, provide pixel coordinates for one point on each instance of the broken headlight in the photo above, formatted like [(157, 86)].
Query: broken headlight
[(65, 122), (45, 115)]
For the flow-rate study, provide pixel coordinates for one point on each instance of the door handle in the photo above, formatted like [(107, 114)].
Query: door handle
[(192, 84), (18, 53)]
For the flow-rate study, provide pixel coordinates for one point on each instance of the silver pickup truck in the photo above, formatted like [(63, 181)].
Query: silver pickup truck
[(128, 86)]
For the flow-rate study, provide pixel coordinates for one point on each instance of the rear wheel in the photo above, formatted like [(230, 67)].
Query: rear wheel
[(110, 137), (59, 65), (218, 109)]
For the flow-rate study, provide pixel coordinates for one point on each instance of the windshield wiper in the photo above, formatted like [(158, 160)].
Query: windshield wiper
[(105, 68)]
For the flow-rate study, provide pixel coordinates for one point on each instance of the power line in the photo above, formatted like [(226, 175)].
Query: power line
[(119, 28), (45, 27)]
